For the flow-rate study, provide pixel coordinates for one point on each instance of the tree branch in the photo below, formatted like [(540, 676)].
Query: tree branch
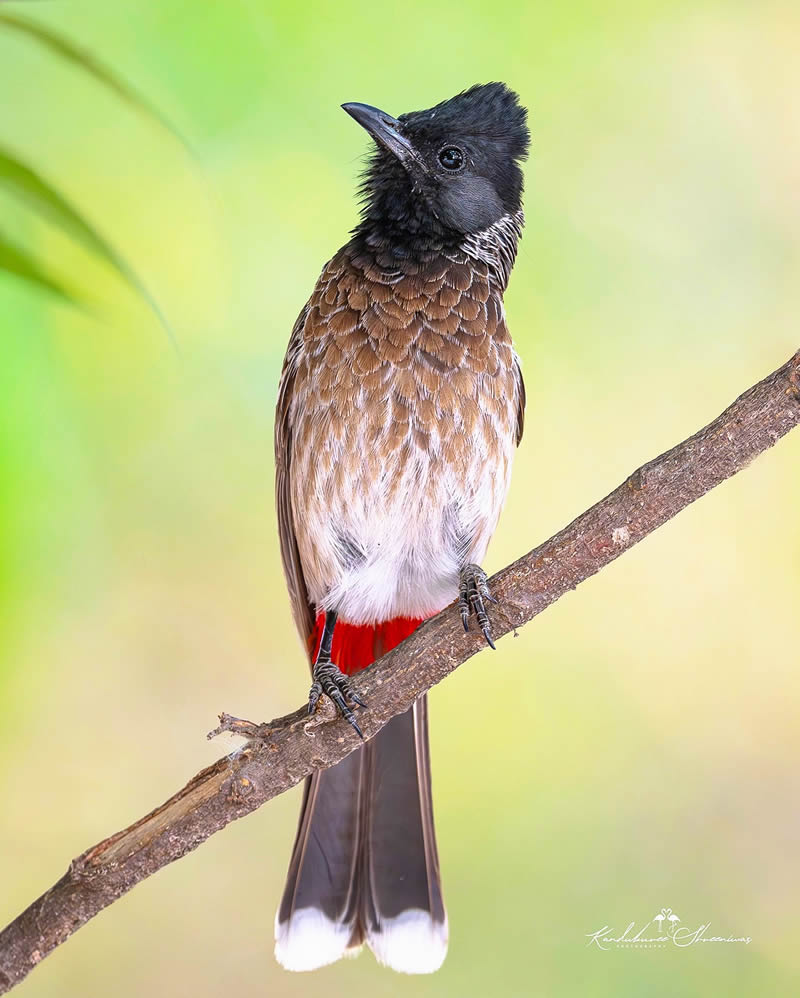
[(282, 752)]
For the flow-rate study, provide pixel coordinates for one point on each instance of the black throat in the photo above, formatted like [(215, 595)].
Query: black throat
[(392, 245), (404, 227)]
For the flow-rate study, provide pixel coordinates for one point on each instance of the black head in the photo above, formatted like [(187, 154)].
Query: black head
[(446, 172)]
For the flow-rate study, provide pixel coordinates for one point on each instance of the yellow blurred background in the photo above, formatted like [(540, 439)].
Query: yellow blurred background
[(636, 746)]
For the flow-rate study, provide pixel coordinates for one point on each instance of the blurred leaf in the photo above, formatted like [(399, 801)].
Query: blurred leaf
[(28, 185), (66, 49), (15, 261)]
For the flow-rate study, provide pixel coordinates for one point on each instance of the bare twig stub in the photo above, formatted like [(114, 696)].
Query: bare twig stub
[(287, 749)]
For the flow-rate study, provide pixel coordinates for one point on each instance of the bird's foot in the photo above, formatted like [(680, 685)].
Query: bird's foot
[(330, 680), (473, 590)]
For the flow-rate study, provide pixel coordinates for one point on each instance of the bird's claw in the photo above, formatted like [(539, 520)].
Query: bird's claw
[(331, 681), (473, 589)]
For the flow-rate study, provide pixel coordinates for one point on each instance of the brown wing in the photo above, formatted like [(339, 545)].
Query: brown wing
[(302, 610), (520, 399)]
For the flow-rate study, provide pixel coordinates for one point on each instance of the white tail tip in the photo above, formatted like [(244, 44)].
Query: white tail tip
[(411, 942), (309, 939)]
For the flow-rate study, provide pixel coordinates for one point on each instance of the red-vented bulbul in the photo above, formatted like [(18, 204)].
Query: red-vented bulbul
[(401, 402)]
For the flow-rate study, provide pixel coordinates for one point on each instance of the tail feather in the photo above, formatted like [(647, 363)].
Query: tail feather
[(365, 865), (403, 910), (314, 876)]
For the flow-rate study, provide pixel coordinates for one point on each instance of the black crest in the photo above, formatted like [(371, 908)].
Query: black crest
[(445, 173)]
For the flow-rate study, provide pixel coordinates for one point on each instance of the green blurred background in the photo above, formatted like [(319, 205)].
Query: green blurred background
[(636, 747)]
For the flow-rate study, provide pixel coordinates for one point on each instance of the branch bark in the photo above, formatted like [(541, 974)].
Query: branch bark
[(279, 754)]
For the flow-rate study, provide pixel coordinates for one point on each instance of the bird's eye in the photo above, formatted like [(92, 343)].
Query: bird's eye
[(451, 158)]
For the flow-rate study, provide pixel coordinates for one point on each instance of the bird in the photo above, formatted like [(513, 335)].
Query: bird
[(400, 406)]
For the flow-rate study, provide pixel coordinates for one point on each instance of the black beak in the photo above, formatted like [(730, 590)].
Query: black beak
[(385, 130)]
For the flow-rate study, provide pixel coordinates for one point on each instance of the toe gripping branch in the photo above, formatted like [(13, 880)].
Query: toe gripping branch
[(473, 589), (330, 680)]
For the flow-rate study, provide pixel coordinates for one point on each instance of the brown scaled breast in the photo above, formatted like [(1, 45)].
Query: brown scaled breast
[(421, 355)]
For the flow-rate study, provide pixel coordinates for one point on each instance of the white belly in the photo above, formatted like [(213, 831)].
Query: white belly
[(392, 534)]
